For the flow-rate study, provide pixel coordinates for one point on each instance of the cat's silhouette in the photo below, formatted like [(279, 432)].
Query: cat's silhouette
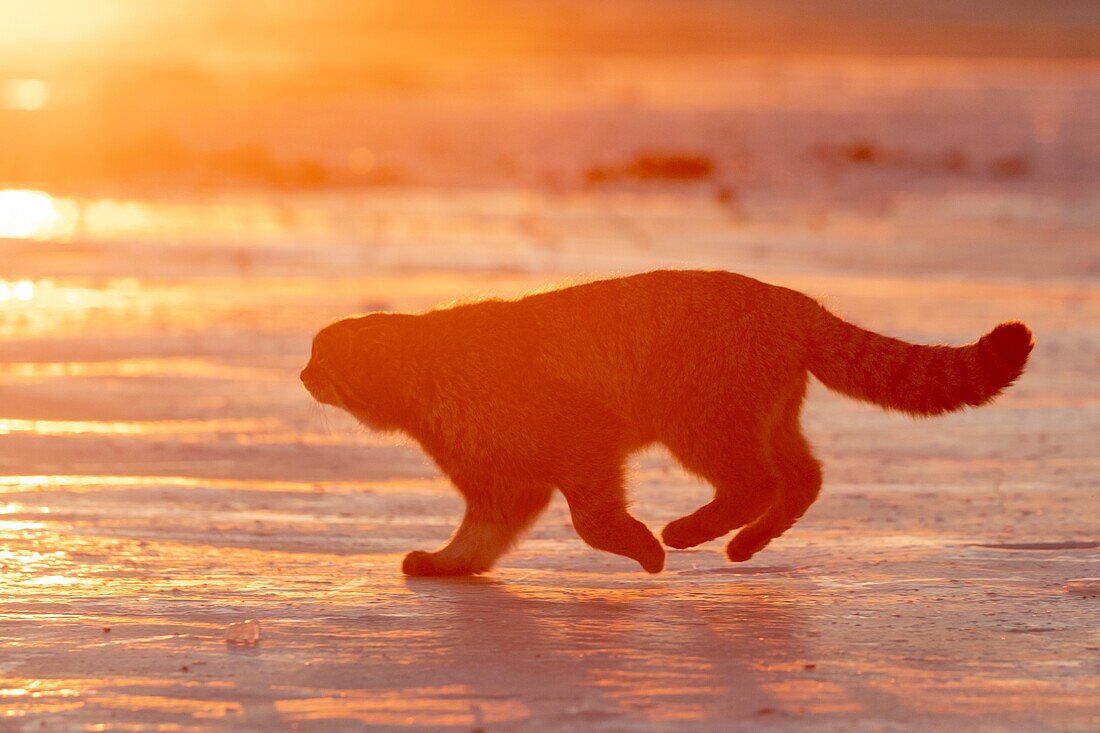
[(513, 399)]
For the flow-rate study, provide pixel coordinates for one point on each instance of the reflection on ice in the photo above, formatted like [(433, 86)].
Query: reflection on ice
[(12, 508), (176, 366), (419, 707), (20, 290), (106, 696), (76, 483), (11, 525), (134, 428), (52, 580), (27, 214)]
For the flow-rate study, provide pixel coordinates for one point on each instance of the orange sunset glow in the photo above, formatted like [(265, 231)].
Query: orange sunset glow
[(516, 365)]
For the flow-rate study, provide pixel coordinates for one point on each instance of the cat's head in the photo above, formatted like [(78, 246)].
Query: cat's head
[(355, 366)]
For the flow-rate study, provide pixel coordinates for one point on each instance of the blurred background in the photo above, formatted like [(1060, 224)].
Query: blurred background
[(267, 122), (100, 95)]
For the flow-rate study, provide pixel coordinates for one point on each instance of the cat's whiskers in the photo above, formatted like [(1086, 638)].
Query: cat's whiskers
[(319, 410)]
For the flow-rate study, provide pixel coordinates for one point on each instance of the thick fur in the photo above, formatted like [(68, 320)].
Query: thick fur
[(516, 399)]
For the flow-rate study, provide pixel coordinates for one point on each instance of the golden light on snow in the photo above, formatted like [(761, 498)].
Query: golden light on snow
[(25, 94), (27, 214)]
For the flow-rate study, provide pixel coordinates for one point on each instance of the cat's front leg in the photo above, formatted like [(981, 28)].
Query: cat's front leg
[(495, 516), (597, 504)]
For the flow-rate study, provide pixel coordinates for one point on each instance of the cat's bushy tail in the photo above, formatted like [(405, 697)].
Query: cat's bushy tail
[(912, 378)]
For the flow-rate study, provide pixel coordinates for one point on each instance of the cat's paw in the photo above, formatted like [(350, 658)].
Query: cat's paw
[(744, 546), (652, 556), (681, 534), (433, 564), (740, 554), (420, 563), (654, 563)]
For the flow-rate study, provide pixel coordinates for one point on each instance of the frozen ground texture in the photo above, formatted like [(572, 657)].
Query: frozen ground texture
[(163, 475)]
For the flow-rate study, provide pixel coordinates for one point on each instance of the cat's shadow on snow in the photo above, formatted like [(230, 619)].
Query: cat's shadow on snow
[(596, 645)]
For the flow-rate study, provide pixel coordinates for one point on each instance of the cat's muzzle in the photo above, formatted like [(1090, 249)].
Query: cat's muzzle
[(319, 387)]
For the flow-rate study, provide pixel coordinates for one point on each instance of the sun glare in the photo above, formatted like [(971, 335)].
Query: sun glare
[(43, 24), (24, 94), (27, 214), (21, 290)]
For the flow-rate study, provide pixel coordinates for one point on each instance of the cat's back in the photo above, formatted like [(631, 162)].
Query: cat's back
[(632, 313), (626, 330), (652, 301)]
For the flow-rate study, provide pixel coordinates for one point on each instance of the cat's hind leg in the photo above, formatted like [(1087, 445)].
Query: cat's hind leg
[(737, 465), (494, 519), (597, 504), (799, 484)]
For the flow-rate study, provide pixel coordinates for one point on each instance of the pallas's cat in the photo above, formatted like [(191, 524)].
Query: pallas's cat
[(514, 399)]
